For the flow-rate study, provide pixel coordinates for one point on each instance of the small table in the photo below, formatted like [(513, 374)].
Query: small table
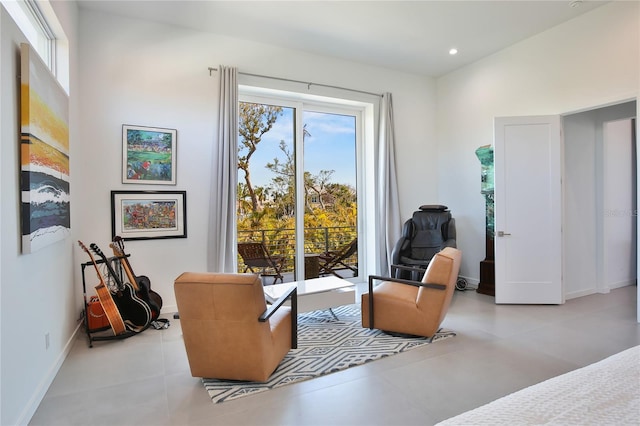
[(311, 266), (317, 293)]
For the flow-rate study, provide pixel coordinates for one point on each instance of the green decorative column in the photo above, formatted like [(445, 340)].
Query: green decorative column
[(487, 267)]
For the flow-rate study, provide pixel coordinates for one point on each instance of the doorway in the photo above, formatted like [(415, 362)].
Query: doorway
[(600, 202), (595, 168)]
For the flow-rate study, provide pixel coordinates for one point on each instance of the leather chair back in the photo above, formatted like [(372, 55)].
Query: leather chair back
[(443, 271), (222, 335)]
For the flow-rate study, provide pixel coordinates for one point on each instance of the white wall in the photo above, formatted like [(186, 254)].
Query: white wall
[(589, 61), (38, 291), (142, 73), (2, 74), (580, 228), (619, 205)]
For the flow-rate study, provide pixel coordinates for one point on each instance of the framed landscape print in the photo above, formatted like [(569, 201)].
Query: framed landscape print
[(148, 155), (145, 215), (44, 154)]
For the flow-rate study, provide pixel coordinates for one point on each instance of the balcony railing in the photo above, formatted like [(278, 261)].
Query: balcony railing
[(281, 242)]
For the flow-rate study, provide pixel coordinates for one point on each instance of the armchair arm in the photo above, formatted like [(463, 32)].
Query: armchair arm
[(292, 294), (373, 278), (327, 255), (403, 281), (416, 272)]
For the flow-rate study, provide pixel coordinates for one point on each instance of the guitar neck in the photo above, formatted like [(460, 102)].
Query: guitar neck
[(112, 272), (133, 309), (142, 284), (95, 267), (104, 295), (124, 261)]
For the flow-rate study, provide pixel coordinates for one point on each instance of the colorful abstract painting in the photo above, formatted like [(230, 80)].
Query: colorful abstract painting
[(148, 155), (44, 154), (138, 215)]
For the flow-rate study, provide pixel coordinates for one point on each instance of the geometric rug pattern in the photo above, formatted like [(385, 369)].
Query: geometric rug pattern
[(325, 345)]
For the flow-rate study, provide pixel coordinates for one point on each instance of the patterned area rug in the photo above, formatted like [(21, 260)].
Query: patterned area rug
[(325, 345)]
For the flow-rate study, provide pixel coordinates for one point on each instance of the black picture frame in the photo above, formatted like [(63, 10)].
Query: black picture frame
[(148, 215)]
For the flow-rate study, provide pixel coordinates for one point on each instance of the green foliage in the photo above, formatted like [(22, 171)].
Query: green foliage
[(255, 121), (155, 157), (268, 213), (136, 137)]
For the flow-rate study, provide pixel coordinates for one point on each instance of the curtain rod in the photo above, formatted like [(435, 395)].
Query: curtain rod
[(309, 84)]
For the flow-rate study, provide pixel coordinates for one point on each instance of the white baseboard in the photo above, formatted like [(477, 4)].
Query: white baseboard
[(622, 284), (42, 388), (471, 281), (576, 294), (603, 290), (169, 309)]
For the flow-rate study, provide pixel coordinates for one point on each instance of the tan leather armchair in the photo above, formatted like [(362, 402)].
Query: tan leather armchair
[(229, 333), (413, 307)]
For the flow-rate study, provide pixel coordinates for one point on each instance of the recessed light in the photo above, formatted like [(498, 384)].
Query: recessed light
[(453, 51), (575, 3)]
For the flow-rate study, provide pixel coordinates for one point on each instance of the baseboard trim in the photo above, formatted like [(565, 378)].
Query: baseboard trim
[(603, 290), (44, 385), (474, 282), (169, 309), (581, 293)]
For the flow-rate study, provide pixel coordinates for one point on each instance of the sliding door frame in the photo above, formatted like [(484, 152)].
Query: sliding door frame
[(364, 130)]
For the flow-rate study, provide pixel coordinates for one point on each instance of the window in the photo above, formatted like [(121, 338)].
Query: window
[(40, 25), (299, 186)]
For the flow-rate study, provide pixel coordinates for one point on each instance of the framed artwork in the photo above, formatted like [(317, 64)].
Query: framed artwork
[(148, 155), (146, 215), (44, 154)]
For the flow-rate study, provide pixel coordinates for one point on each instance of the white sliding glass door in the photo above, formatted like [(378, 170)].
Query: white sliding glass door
[(297, 185)]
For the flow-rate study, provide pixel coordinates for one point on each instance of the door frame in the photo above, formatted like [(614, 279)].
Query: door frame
[(599, 287)]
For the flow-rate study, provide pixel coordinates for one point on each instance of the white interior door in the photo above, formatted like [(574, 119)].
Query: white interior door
[(528, 210)]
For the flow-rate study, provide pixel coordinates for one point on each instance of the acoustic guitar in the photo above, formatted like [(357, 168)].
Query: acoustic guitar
[(135, 311), (141, 284), (104, 295)]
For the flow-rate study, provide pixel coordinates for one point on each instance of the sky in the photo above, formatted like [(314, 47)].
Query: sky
[(331, 146)]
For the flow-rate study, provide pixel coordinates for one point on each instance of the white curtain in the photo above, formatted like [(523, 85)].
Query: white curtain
[(224, 177), (388, 221)]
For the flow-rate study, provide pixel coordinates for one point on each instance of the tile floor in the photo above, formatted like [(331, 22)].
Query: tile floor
[(145, 380)]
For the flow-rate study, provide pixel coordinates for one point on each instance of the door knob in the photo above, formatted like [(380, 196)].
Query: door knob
[(502, 233)]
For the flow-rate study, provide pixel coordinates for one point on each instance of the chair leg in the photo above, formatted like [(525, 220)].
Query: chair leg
[(294, 320), (334, 314), (370, 303), (278, 274)]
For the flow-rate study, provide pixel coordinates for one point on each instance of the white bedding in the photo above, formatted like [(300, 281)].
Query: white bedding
[(604, 393)]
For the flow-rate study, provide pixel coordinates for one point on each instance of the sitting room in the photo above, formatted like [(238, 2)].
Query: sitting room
[(419, 87)]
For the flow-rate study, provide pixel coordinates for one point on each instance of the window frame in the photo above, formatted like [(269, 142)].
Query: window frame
[(363, 112), (40, 25)]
